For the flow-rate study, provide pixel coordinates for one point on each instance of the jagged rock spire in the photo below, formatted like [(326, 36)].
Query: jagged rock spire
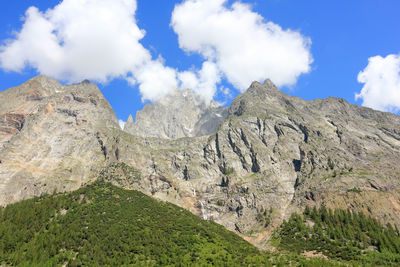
[(129, 125), (182, 113)]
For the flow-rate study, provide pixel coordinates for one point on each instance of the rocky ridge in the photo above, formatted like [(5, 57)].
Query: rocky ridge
[(273, 152), (52, 137), (182, 113)]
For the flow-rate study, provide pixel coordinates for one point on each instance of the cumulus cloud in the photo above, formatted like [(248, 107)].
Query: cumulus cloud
[(203, 81), (243, 46), (156, 80), (381, 79), (76, 40), (99, 40)]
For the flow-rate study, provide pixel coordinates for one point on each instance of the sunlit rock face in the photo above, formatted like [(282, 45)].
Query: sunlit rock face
[(52, 137), (182, 113), (281, 152), (268, 151)]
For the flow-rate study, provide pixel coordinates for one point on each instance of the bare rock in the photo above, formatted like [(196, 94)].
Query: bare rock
[(52, 137), (179, 114)]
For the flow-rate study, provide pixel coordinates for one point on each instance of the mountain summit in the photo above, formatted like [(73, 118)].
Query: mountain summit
[(182, 113)]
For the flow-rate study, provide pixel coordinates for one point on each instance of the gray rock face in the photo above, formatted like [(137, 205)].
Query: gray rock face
[(273, 152), (180, 114), (129, 125), (278, 152), (52, 137)]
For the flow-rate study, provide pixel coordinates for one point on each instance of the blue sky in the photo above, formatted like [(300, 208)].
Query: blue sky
[(343, 36)]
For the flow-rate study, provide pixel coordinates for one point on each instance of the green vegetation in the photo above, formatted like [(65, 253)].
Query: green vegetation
[(342, 235), (105, 225), (121, 174), (101, 224), (229, 171), (220, 202), (264, 217), (354, 190)]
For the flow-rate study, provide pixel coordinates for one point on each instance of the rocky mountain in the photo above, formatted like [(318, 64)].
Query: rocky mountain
[(273, 152), (179, 114), (52, 137)]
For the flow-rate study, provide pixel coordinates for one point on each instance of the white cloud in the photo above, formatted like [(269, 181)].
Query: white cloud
[(99, 40), (76, 40), (156, 80), (203, 81), (381, 79), (244, 46), (121, 124)]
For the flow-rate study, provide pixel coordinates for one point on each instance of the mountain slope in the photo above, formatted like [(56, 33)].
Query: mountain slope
[(79, 227), (101, 224), (279, 152), (274, 152)]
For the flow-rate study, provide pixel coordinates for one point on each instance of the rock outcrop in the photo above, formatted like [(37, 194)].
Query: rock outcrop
[(273, 152), (52, 137), (179, 114)]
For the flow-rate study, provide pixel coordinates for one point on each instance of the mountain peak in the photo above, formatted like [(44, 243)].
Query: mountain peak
[(269, 84), (182, 113), (129, 124), (259, 97), (44, 82), (44, 78), (267, 88)]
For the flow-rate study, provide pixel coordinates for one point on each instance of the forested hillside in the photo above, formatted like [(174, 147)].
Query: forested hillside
[(101, 224), (342, 235)]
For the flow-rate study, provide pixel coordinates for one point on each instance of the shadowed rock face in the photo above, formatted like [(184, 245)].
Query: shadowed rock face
[(179, 114), (272, 151)]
